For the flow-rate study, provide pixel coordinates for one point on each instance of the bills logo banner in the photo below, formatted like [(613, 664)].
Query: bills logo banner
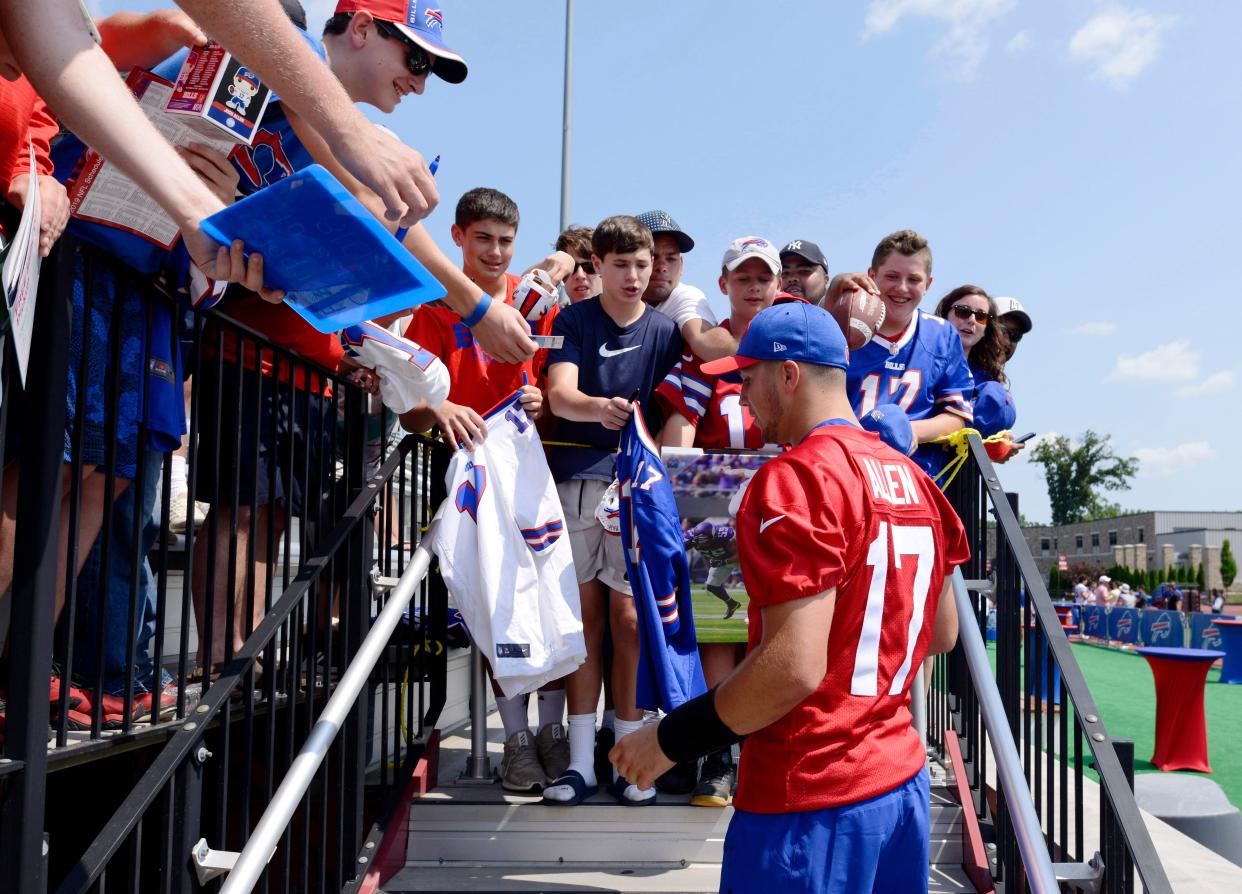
[(1123, 625), (1093, 621), (1162, 628), (1204, 634)]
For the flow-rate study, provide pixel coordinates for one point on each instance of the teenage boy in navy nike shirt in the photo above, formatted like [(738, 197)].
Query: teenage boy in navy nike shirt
[(616, 350)]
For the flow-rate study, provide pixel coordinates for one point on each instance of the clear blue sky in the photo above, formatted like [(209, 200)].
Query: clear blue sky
[(1080, 156)]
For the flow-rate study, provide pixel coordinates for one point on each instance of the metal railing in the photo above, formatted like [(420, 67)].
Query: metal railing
[(1047, 707), (1036, 863), (204, 758), (271, 826)]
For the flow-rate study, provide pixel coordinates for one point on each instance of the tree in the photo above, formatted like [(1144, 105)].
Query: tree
[(1201, 577), (1054, 581), (1228, 564), (1078, 472), (1153, 580)]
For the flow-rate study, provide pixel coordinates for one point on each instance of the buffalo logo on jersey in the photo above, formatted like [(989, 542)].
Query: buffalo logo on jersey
[(471, 491), (264, 162)]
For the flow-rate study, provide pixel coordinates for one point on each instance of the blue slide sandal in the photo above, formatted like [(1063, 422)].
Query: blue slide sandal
[(573, 779)]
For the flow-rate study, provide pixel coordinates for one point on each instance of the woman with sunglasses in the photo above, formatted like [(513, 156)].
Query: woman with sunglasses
[(969, 309)]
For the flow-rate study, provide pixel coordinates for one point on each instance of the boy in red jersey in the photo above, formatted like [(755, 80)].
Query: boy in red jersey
[(846, 548), (705, 410), (485, 229)]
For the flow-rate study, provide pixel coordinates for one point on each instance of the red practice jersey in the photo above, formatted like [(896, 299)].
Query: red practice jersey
[(712, 404), (478, 381), (843, 510)]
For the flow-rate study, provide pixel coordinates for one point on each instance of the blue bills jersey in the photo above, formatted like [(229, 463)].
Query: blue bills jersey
[(923, 371), (669, 672)]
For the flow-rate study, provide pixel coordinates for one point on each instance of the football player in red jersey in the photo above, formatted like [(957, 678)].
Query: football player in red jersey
[(846, 548)]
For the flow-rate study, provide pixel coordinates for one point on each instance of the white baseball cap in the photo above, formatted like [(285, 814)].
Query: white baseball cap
[(744, 248), (1105, 579), (1012, 308)]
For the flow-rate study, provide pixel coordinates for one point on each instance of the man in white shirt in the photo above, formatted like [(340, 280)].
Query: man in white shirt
[(685, 304)]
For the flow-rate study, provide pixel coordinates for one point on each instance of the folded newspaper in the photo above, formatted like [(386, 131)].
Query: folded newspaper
[(102, 193)]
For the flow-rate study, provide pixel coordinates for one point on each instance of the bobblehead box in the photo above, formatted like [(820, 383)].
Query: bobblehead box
[(218, 96)]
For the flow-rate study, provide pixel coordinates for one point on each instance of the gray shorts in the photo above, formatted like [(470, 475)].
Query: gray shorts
[(597, 553)]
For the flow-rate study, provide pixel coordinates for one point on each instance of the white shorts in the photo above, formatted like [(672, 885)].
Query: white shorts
[(597, 554)]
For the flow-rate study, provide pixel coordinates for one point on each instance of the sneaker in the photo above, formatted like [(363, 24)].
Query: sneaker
[(553, 747), (716, 781), (520, 770), (605, 738), (680, 780), (178, 510)]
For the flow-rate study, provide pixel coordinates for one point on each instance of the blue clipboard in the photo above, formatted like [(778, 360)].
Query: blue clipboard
[(337, 265)]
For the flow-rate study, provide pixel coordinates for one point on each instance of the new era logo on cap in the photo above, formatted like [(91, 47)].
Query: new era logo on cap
[(777, 347)]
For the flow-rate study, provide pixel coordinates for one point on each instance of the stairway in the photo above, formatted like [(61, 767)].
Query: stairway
[(481, 838)]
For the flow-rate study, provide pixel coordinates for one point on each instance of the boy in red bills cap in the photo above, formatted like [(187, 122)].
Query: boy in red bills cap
[(846, 548)]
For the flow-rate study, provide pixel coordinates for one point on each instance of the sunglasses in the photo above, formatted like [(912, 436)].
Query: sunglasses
[(419, 61), (965, 312), (585, 266)]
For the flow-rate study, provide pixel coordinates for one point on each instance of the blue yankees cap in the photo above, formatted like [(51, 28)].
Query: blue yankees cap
[(791, 331), (423, 23)]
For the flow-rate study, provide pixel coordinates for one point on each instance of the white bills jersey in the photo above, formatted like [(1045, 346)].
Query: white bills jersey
[(505, 555)]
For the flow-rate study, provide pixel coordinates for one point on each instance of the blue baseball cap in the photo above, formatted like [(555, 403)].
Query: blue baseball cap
[(423, 23), (891, 423), (791, 331)]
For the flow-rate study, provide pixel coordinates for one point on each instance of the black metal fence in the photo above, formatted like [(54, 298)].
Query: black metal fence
[(1051, 713), (187, 667)]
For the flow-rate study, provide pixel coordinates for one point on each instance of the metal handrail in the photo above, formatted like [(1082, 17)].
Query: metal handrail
[(261, 846), (1115, 789), (1040, 874)]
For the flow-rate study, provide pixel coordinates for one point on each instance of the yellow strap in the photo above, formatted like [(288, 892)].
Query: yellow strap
[(960, 444)]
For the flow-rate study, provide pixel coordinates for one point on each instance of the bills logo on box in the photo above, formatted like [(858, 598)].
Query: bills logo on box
[(1211, 638), (1124, 624), (1160, 629)]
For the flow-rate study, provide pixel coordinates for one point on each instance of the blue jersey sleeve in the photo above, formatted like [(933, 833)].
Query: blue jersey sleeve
[(955, 385), (994, 410)]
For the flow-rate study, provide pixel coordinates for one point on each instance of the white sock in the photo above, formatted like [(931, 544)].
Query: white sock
[(180, 475), (623, 728), (581, 756), (551, 707), (512, 714), (610, 718)]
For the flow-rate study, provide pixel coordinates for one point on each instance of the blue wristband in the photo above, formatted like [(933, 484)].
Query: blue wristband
[(480, 310)]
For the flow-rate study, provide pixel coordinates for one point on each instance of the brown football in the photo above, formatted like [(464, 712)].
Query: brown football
[(860, 316)]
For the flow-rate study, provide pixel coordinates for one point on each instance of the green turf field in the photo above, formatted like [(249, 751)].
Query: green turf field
[(709, 623), (1121, 684)]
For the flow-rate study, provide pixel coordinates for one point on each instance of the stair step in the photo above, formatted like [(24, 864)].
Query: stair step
[(599, 877)]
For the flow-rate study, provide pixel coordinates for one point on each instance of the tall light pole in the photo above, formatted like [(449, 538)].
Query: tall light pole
[(567, 112)]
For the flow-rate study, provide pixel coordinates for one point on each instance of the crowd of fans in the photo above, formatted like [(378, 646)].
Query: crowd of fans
[(1170, 595), (631, 330)]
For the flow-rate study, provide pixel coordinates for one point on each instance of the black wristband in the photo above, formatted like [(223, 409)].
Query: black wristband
[(694, 729)]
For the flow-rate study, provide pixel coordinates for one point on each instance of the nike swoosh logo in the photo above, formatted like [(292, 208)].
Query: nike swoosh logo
[(605, 352), (764, 525)]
